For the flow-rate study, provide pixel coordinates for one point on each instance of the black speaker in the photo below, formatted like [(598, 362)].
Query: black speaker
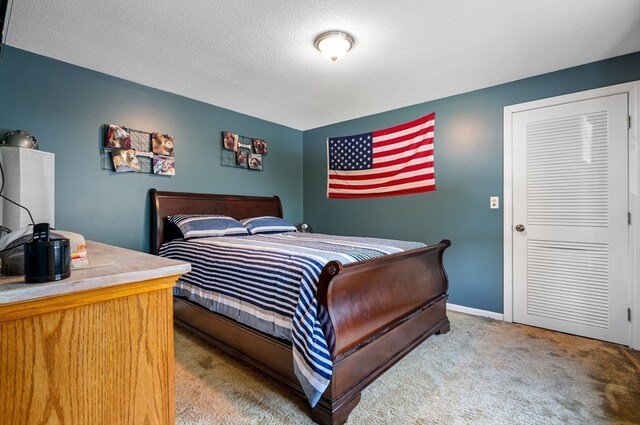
[(46, 261)]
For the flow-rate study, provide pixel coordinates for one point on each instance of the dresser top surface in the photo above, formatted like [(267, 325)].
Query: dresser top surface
[(127, 266)]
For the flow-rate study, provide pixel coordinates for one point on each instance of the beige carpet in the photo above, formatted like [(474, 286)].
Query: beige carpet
[(482, 372)]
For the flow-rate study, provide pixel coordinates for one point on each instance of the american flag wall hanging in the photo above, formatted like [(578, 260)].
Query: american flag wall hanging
[(389, 162)]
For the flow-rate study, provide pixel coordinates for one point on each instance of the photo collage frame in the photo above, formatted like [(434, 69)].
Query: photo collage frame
[(243, 152), (133, 151)]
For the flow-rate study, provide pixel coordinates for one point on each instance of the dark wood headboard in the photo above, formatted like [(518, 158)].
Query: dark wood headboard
[(164, 204)]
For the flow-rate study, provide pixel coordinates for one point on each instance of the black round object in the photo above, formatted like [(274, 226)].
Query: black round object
[(46, 261), (19, 138), (304, 228)]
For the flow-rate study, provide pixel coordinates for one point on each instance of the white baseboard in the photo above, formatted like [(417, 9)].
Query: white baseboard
[(475, 311)]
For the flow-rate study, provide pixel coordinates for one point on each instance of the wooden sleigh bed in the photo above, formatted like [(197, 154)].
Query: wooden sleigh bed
[(372, 312)]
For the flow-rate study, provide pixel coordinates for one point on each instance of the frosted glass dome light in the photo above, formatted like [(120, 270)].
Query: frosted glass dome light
[(334, 44)]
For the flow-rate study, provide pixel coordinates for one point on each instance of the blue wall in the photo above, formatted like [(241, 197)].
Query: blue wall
[(468, 166), (64, 106)]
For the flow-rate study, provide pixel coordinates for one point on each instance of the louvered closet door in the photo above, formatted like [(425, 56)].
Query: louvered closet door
[(570, 190)]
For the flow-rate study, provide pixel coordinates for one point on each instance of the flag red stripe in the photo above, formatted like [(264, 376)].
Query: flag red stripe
[(375, 175), (390, 184), (404, 126), (413, 146), (378, 195), (421, 132), (403, 160)]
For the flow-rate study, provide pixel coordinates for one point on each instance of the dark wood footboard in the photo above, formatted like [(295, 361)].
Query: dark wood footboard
[(375, 312), (372, 312), (360, 300)]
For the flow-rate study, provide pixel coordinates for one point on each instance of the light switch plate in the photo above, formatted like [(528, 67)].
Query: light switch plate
[(494, 202)]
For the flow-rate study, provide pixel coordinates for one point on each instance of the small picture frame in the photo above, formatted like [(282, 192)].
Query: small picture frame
[(164, 165), (125, 160), (230, 141), (117, 138), (242, 158), (260, 146), (162, 144), (255, 161)]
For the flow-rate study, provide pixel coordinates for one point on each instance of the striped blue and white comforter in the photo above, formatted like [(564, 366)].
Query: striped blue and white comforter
[(269, 283)]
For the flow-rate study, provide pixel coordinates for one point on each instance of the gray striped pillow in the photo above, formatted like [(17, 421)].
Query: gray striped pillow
[(202, 226), (268, 224)]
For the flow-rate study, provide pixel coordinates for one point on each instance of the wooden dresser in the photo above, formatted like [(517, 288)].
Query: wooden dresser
[(96, 348)]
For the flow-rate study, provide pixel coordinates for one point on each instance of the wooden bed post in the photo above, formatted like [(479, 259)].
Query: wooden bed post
[(334, 413)]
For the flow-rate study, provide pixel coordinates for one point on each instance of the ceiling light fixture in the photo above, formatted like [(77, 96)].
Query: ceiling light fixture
[(334, 44)]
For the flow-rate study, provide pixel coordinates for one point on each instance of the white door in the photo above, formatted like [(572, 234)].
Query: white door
[(570, 218)]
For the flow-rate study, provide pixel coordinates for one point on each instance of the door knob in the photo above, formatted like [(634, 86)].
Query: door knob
[(520, 228)]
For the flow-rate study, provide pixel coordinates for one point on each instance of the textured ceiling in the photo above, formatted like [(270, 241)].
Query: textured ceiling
[(257, 57)]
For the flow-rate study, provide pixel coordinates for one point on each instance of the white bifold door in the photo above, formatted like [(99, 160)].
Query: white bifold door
[(570, 218)]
